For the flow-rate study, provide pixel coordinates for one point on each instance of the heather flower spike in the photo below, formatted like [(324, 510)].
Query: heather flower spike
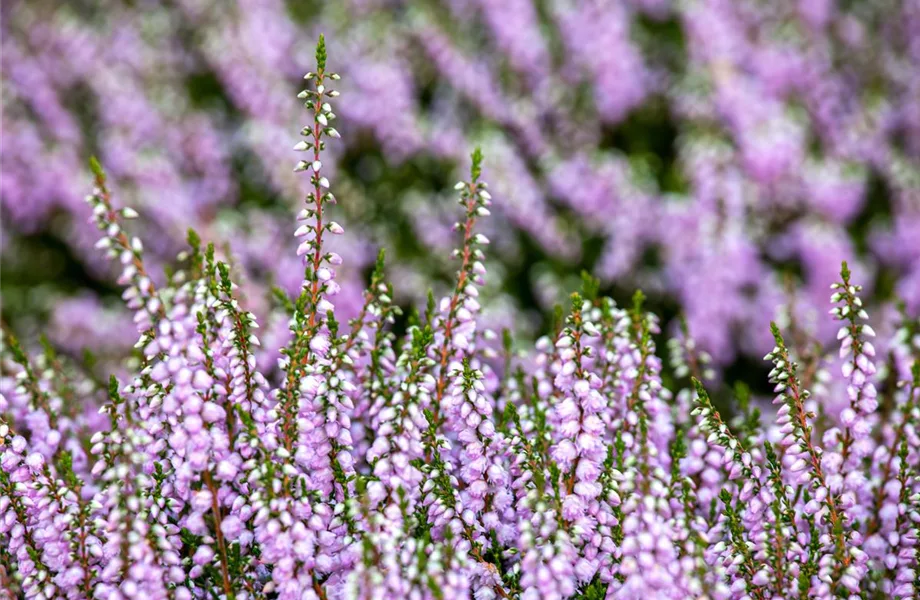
[(366, 463), (140, 293)]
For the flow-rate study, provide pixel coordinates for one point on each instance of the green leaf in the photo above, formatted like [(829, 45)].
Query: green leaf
[(321, 54), (476, 166), (96, 168)]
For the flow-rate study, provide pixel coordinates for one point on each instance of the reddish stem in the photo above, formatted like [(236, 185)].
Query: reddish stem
[(454, 300)]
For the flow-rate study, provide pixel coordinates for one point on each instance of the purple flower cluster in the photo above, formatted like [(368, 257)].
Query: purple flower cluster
[(793, 139), (443, 463)]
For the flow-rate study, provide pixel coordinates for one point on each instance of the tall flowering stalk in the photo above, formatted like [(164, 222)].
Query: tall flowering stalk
[(372, 465), (318, 273), (456, 321), (140, 293)]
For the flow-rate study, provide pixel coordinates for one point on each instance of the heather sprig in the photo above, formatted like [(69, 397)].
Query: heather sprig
[(456, 320), (140, 293), (858, 368), (806, 461)]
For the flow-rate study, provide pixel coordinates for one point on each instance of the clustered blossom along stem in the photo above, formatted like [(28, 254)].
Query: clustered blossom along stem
[(807, 457), (457, 322), (858, 367), (140, 293), (369, 465), (316, 279)]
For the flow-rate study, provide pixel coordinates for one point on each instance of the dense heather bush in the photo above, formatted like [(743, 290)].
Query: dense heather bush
[(774, 136), (441, 463)]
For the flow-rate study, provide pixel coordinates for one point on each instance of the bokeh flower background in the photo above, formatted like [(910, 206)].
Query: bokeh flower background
[(722, 155)]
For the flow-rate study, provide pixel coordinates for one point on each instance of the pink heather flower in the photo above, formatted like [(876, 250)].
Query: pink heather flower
[(203, 555), (320, 344), (232, 527)]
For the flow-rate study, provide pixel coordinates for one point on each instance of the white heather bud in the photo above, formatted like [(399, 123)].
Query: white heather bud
[(317, 165), (301, 146), (129, 213), (335, 228), (322, 120), (324, 306), (301, 166)]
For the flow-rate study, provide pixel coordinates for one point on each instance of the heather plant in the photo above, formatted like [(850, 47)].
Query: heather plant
[(440, 461)]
